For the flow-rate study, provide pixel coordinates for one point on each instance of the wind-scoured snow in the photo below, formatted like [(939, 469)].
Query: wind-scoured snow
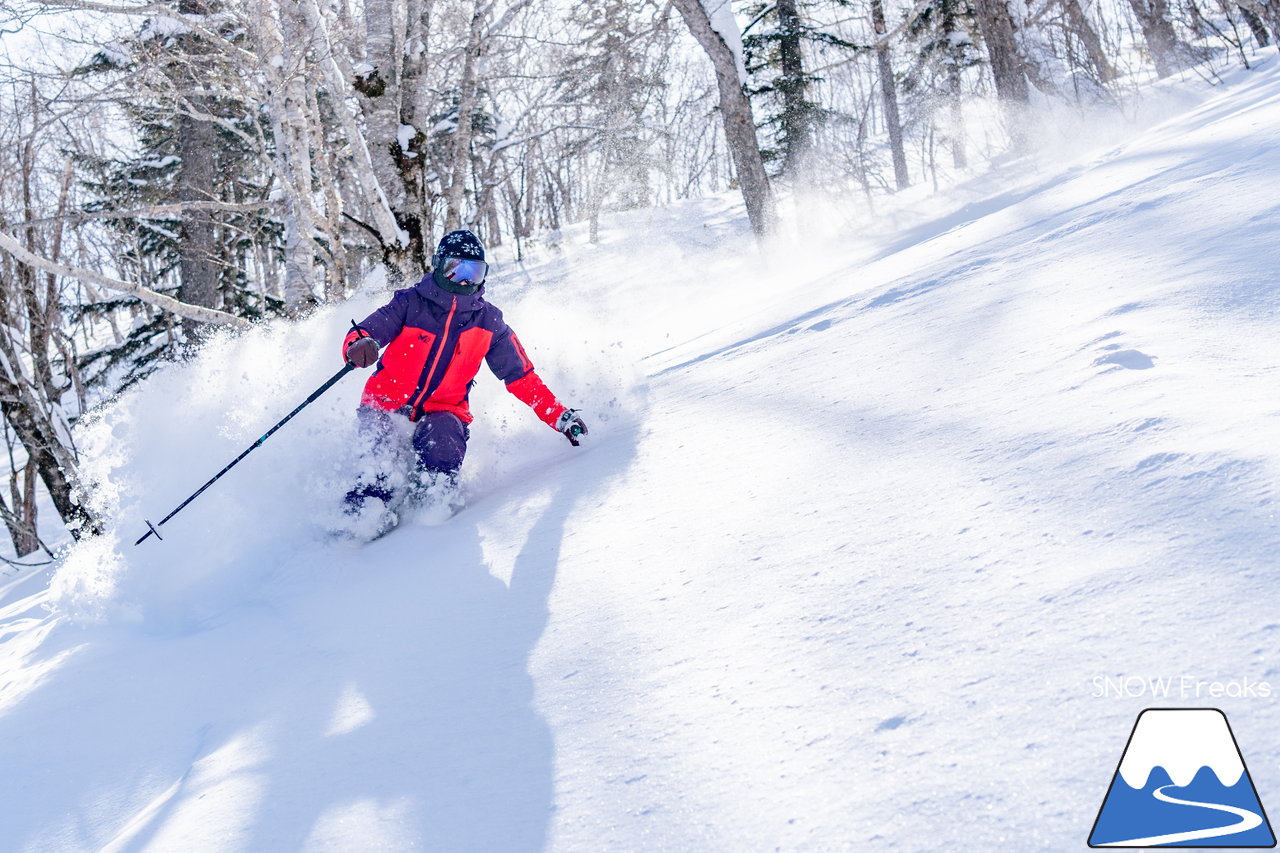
[(857, 531)]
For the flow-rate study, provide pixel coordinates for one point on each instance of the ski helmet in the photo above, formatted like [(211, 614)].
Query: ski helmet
[(458, 264)]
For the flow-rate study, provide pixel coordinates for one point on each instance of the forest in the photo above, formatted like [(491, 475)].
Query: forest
[(169, 169)]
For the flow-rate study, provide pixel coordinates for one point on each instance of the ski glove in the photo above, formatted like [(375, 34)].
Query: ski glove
[(572, 426), (362, 352)]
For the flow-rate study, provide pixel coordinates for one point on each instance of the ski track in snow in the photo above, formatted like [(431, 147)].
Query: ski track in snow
[(837, 573)]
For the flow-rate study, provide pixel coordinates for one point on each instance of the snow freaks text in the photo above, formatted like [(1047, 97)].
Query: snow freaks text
[(1178, 687)]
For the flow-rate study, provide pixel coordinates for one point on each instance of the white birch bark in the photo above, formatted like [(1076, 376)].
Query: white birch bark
[(283, 45), (460, 152), (336, 280), (339, 84), (385, 45), (159, 300)]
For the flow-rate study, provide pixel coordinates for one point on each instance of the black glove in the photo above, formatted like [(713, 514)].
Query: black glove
[(362, 352), (572, 426)]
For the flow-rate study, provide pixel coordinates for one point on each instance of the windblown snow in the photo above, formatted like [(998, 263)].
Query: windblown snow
[(858, 530)]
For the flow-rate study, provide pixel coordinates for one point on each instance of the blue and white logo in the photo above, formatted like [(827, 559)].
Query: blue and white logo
[(1182, 783)]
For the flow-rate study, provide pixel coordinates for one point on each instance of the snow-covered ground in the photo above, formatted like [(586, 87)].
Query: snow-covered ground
[(858, 535)]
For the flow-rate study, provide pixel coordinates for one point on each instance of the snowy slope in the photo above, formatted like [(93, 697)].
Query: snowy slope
[(858, 530)]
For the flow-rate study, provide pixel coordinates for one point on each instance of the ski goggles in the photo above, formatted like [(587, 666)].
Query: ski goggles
[(459, 270)]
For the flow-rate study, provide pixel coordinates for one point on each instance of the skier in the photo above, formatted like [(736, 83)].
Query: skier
[(435, 335)]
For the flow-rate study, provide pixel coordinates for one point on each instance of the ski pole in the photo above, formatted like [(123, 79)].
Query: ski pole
[(346, 368)]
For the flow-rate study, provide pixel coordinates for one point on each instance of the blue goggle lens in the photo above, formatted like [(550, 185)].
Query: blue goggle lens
[(459, 270)]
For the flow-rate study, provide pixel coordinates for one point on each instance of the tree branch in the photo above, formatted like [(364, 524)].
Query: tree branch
[(156, 211), (365, 225), (885, 40), (159, 300), (152, 10)]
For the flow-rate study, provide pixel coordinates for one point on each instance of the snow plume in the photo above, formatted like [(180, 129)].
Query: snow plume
[(261, 528)]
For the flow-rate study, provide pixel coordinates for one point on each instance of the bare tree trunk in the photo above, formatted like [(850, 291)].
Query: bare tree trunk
[(39, 438), (797, 112), (33, 407), (735, 112), (1008, 67), (890, 95), (595, 198), (292, 124), (959, 158), (40, 435), (1270, 11), (1162, 42), (1088, 36), (460, 153), (197, 244), (197, 143), (417, 104), (381, 90), (394, 240), (1260, 34), (388, 103), (955, 59), (22, 519), (335, 285)]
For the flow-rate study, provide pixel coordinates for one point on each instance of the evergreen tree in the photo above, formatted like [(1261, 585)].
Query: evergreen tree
[(193, 152), (774, 43), (439, 160), (944, 33), (613, 79)]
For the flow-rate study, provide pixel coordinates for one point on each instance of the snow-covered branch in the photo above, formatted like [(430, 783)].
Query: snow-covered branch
[(155, 211), (159, 300)]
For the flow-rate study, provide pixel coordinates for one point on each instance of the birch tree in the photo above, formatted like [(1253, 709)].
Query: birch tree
[(713, 25)]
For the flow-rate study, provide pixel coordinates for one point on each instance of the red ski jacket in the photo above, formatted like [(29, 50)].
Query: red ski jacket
[(434, 342)]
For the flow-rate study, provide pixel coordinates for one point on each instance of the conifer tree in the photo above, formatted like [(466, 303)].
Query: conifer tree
[(187, 200), (944, 34), (613, 78)]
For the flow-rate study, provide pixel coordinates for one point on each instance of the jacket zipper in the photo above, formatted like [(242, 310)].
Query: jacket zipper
[(444, 341)]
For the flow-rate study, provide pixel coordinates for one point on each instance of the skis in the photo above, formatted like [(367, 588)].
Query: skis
[(429, 504)]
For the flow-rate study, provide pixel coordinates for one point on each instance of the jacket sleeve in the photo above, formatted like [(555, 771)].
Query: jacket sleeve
[(382, 325), (510, 363)]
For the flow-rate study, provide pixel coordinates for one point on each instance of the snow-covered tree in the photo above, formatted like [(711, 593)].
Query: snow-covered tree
[(944, 35), (713, 24), (774, 42), (615, 78)]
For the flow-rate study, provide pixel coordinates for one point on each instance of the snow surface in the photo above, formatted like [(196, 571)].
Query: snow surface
[(858, 532)]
